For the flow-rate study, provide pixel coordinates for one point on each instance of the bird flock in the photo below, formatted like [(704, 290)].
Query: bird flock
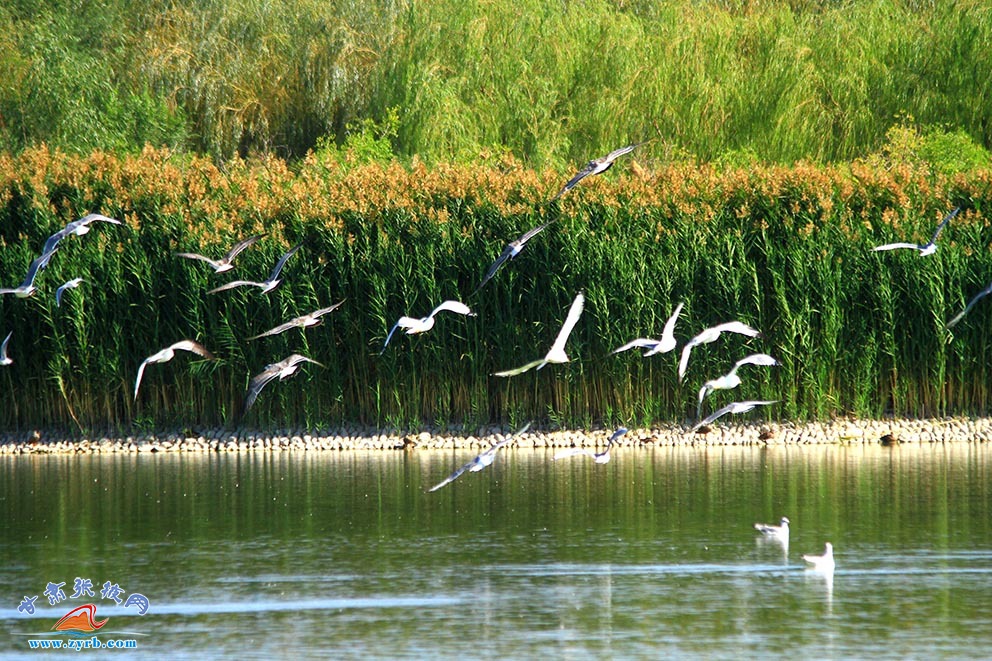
[(410, 325)]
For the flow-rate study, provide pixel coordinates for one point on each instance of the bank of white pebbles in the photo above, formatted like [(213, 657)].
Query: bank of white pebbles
[(355, 438)]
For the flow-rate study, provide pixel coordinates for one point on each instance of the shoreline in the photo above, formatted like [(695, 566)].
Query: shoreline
[(357, 438)]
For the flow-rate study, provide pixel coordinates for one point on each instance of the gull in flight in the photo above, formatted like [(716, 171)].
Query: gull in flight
[(664, 345), (960, 315), (483, 460), (735, 407), (303, 321), (599, 457), (168, 354), (283, 370), (927, 248), (4, 358), (266, 286), (822, 563), (771, 531), (224, 264), (596, 166), (557, 352), (27, 288), (77, 227), (413, 326), (71, 284), (730, 380), (510, 251), (711, 335)]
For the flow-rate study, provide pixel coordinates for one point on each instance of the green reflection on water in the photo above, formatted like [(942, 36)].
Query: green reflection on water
[(663, 533)]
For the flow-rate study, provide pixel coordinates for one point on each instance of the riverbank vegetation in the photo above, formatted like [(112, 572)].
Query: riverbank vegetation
[(786, 249), (551, 82)]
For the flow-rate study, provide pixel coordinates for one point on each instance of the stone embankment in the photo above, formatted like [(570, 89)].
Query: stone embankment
[(885, 432)]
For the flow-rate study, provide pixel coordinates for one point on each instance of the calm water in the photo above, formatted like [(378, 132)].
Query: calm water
[(345, 555)]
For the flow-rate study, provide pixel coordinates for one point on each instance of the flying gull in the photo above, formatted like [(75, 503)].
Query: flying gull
[(283, 370), (822, 563), (483, 460), (557, 352), (771, 531), (599, 457), (510, 251), (303, 321), (71, 284), (735, 407), (4, 358), (77, 227), (413, 326), (711, 335), (664, 345), (927, 248), (596, 166), (223, 264), (168, 354), (730, 380), (960, 315), (27, 288), (266, 286)]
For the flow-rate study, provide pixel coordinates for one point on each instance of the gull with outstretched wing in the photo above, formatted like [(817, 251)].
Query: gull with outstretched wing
[(225, 263), (267, 285), (596, 166), (599, 457), (303, 321), (281, 370), (711, 335), (27, 289), (413, 326), (510, 251), (4, 358), (735, 407), (71, 284), (168, 354), (977, 297), (78, 228), (730, 380), (925, 249), (664, 345), (483, 460), (557, 352)]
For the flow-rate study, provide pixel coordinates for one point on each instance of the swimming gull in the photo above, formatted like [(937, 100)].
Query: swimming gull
[(822, 563), (771, 531)]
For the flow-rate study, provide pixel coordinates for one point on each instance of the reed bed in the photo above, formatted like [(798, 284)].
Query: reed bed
[(550, 81), (785, 249)]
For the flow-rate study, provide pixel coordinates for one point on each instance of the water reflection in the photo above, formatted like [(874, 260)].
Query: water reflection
[(653, 553)]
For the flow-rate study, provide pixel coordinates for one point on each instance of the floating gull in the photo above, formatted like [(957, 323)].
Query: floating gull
[(557, 352), (283, 369), (71, 284), (510, 251), (77, 227), (735, 407), (730, 380), (168, 354), (596, 166), (303, 321), (927, 248), (4, 358), (664, 345), (483, 460), (223, 264), (599, 457), (960, 315), (711, 335), (266, 286), (771, 531), (27, 288), (822, 563), (413, 326)]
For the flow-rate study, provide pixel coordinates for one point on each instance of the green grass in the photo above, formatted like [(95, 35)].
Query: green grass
[(554, 83)]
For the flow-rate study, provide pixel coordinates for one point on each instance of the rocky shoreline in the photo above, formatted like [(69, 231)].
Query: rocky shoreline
[(353, 438)]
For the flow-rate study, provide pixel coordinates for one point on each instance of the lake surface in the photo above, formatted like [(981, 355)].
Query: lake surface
[(345, 555)]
